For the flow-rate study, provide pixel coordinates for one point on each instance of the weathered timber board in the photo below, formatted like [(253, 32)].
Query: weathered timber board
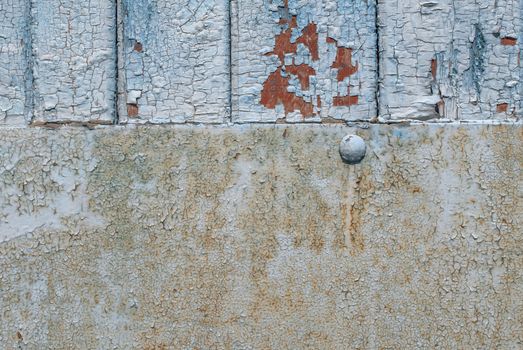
[(299, 61), (74, 61), (176, 61), (14, 62), (453, 59)]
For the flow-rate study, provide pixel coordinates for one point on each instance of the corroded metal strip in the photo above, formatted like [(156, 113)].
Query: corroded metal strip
[(304, 61), (14, 63), (454, 59), (74, 53), (176, 61), (261, 237)]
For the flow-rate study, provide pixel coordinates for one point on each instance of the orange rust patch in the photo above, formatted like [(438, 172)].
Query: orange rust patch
[(303, 72), (345, 100), (502, 107), (275, 88), (318, 101), (275, 92), (138, 47), (507, 41), (309, 38), (132, 110), (283, 45), (343, 62), (434, 68), (355, 235)]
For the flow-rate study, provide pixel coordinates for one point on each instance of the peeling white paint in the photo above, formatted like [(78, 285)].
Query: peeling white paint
[(256, 50), (458, 60), (74, 61), (176, 61), (39, 194)]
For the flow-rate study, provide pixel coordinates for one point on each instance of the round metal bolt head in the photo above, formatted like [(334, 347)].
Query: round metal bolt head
[(352, 149)]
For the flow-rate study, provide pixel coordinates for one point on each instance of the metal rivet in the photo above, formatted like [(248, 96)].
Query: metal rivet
[(352, 149)]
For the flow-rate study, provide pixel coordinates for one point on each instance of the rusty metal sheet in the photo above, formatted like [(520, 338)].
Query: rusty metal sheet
[(304, 61), (176, 61), (456, 59), (258, 237), (74, 61), (14, 63)]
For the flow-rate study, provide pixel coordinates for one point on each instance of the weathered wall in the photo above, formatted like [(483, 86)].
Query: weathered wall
[(259, 237), (218, 61)]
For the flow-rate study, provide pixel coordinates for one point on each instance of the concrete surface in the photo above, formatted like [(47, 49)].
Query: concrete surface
[(260, 237)]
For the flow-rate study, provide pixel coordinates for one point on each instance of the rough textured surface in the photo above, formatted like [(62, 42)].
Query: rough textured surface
[(303, 60), (453, 59), (74, 60), (176, 56), (260, 237), (14, 62), (217, 61)]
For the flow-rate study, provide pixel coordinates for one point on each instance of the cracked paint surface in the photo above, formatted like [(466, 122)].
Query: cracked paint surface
[(253, 237), (458, 60), (216, 61), (74, 61), (283, 60), (176, 61), (14, 75)]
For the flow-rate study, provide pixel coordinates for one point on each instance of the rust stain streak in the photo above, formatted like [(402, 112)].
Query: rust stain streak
[(351, 221)]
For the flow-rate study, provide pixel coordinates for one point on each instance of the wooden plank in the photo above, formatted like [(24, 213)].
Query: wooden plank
[(176, 57), (455, 59), (74, 50), (14, 64), (304, 61)]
